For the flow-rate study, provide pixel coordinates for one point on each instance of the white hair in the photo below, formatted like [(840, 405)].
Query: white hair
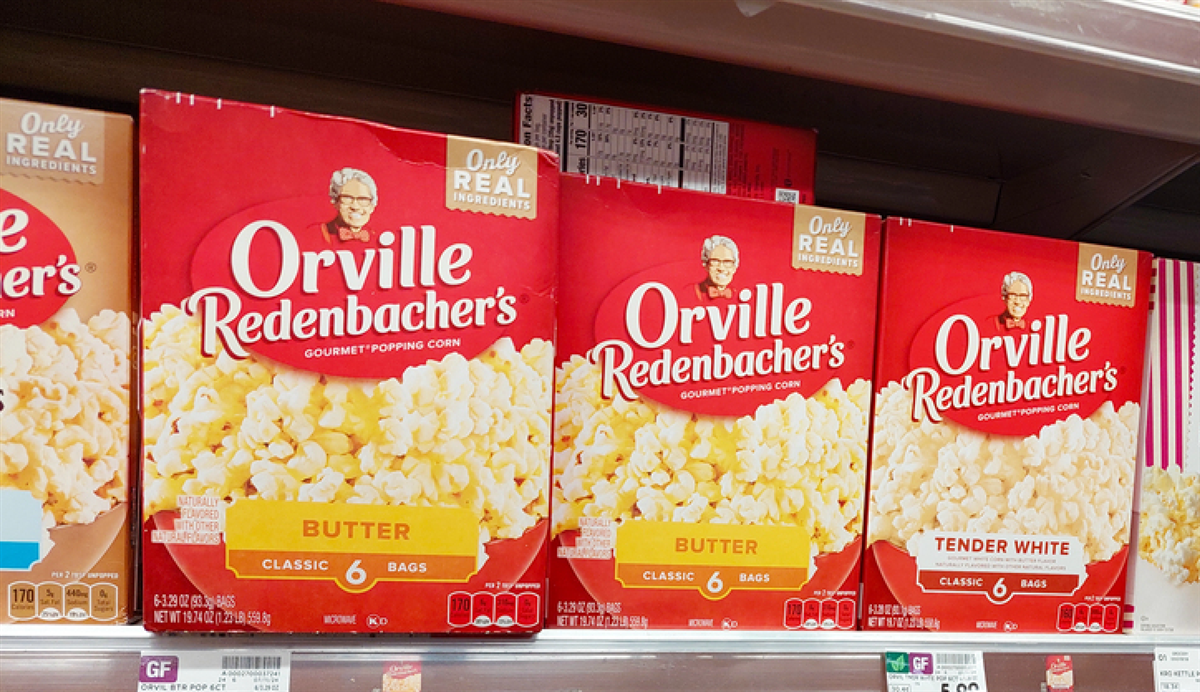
[(1013, 277), (345, 175), (712, 243)]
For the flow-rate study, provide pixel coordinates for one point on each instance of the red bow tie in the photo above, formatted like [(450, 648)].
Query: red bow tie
[(350, 234), (718, 292), (1010, 323)]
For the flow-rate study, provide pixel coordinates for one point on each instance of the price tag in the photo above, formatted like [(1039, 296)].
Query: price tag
[(1176, 669), (937, 671), (256, 670)]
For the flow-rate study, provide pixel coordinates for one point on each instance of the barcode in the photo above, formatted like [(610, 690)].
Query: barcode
[(952, 659), (785, 195), (251, 662)]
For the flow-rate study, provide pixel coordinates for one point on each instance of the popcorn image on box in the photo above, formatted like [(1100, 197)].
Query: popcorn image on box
[(347, 373), (66, 220), (711, 411), (730, 156), (1005, 429), (1164, 589)]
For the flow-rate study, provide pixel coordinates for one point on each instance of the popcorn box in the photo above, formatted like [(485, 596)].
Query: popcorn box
[(1060, 673), (742, 158), (66, 220), (347, 363), (1005, 431), (1164, 578), (711, 410), (404, 676)]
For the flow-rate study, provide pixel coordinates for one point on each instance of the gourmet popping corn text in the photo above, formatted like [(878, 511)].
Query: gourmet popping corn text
[(1169, 525), (64, 430), (1071, 479), (794, 462), (451, 433)]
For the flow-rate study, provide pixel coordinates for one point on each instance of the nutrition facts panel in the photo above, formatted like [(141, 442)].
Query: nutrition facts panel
[(51, 601), (633, 144)]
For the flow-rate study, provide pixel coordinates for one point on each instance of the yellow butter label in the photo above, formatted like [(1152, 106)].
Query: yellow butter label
[(712, 558), (828, 240), (491, 178), (354, 545)]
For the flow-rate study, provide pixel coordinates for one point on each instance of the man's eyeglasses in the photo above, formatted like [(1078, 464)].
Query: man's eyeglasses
[(722, 263), (347, 200), (1017, 297)]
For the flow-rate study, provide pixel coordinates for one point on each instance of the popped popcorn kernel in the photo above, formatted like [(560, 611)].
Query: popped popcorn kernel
[(1169, 526), (1072, 478), (64, 431), (793, 462), (449, 433)]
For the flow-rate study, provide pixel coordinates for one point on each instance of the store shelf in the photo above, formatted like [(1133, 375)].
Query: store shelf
[(1117, 64), (1072, 118), (1127, 66), (51, 639), (107, 658), (932, 114)]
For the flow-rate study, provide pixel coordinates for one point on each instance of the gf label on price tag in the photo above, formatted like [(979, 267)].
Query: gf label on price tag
[(936, 671), (258, 670), (1176, 669)]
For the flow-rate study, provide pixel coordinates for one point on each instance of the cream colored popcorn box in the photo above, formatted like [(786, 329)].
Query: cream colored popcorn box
[(1164, 578), (347, 366), (1009, 371), (66, 204), (711, 411)]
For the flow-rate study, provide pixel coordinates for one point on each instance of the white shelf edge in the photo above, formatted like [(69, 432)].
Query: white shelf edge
[(76, 639)]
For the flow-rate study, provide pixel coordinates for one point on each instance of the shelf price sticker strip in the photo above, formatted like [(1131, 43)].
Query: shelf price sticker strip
[(935, 671), (223, 670), (1176, 669)]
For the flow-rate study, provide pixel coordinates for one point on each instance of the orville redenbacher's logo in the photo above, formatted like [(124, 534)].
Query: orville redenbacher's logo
[(1001, 361), (690, 341), (344, 286), (38, 270)]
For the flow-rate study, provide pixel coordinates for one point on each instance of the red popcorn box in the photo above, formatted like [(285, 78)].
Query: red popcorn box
[(347, 363), (1005, 429), (711, 410)]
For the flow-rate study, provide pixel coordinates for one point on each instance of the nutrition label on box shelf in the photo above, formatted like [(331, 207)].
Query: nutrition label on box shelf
[(50, 601), (813, 613), (484, 609), (629, 143), (259, 670)]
